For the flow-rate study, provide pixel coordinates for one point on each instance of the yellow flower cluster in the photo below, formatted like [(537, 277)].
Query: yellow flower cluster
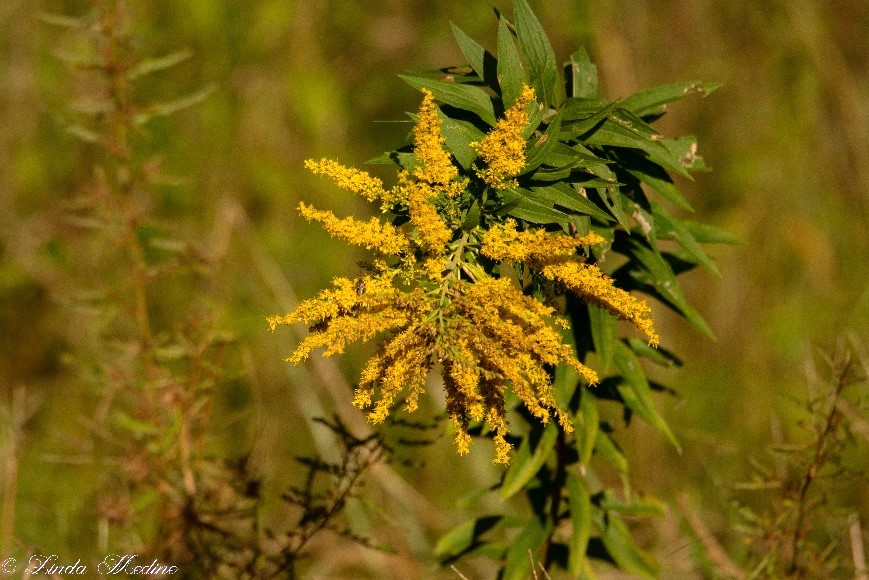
[(554, 256), (505, 242), (597, 288), (349, 178), (372, 234), (503, 148), (486, 335)]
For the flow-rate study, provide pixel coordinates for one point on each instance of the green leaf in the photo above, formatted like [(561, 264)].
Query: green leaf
[(603, 334), (527, 463), (526, 207), (463, 537), (403, 159), (640, 507), (652, 101), (527, 543), (659, 356), (473, 51), (584, 75), (620, 545), (458, 135), (466, 97), (638, 394), (472, 218), (561, 194), (649, 268), (673, 229), (542, 66), (581, 520), (622, 134), (536, 154), (153, 65), (608, 450), (706, 234), (612, 199), (166, 109), (574, 125), (684, 149), (587, 426), (656, 178), (511, 73)]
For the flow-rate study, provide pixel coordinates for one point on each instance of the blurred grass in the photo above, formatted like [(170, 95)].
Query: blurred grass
[(787, 136)]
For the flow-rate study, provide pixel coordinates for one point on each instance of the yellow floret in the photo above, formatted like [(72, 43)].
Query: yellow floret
[(373, 234), (503, 148), (597, 288), (505, 242), (349, 178)]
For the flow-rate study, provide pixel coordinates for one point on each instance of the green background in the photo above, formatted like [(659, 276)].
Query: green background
[(787, 137)]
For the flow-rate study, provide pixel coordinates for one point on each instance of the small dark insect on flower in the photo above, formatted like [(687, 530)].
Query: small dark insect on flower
[(360, 287)]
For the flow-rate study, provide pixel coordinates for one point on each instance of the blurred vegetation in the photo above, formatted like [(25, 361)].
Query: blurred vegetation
[(787, 136)]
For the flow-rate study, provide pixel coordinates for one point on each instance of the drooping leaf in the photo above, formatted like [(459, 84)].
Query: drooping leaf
[(673, 228), (657, 355), (621, 547), (608, 450), (645, 507), (637, 394), (706, 234), (537, 154), (653, 272), (561, 194), (458, 135), (528, 461), (655, 177), (464, 536)]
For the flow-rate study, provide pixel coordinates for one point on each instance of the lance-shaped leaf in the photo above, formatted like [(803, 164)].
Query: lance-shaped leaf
[(652, 101), (581, 520), (464, 97), (542, 66), (521, 553), (529, 460), (637, 395), (621, 547), (511, 73)]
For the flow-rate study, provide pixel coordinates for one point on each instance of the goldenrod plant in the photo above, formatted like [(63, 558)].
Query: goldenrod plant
[(525, 221)]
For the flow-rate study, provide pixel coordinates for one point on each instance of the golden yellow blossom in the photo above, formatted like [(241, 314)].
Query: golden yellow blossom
[(372, 234), (505, 242), (348, 178), (436, 169), (597, 288), (433, 230), (503, 148), (434, 302)]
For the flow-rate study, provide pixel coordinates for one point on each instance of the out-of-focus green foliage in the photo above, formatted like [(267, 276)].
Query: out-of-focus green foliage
[(786, 138)]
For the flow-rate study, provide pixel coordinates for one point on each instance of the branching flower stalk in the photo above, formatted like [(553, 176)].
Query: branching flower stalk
[(439, 288)]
